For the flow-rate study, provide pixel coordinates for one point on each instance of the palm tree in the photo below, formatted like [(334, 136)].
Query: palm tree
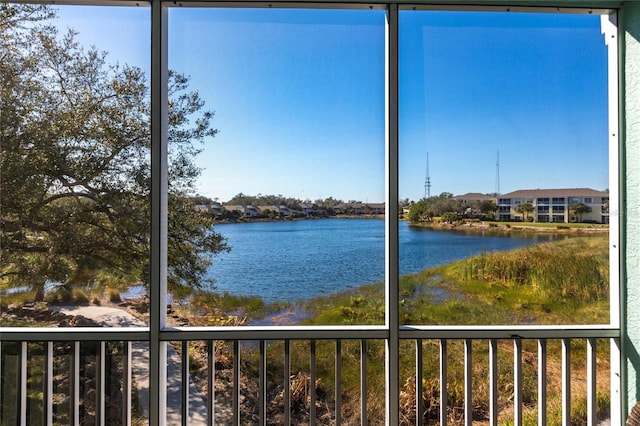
[(524, 209), (579, 209)]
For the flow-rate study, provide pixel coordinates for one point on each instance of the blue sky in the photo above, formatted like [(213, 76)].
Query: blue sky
[(299, 97)]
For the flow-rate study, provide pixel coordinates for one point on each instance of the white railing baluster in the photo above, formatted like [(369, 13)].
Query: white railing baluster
[(126, 386), (211, 385), (566, 382), (185, 382), (262, 383), (236, 382), (312, 380), (468, 382), (592, 412), (363, 383), (47, 398), (101, 382), (419, 390), (443, 382), (74, 365), (338, 395), (542, 382), (22, 384), (493, 382), (517, 382), (287, 382)]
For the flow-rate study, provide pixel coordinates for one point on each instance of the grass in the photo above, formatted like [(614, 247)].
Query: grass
[(550, 283), (563, 282)]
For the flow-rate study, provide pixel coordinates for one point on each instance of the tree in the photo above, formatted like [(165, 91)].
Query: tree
[(74, 161), (579, 209), (422, 211), (488, 207), (524, 209)]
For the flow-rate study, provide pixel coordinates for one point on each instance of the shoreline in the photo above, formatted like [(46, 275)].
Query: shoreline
[(510, 227), (471, 225)]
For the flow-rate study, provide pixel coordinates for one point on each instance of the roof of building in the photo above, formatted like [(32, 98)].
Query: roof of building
[(563, 192), (475, 196)]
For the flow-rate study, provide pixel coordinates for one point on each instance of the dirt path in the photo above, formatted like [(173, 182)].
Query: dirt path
[(116, 317)]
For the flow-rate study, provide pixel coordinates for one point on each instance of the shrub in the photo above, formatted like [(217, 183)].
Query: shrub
[(59, 295), (114, 295), (80, 296)]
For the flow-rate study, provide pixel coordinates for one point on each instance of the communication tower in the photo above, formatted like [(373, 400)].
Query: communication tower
[(427, 181)]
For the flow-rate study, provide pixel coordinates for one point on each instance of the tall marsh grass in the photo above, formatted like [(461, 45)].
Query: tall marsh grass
[(575, 270)]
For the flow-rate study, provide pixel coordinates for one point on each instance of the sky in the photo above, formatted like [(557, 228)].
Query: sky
[(299, 97)]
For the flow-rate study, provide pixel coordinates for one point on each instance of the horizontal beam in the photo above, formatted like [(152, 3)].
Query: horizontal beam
[(509, 332), (558, 6), (309, 332), (61, 334)]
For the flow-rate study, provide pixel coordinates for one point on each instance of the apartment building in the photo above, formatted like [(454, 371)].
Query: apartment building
[(555, 205)]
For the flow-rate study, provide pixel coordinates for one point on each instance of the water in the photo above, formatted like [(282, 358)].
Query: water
[(295, 260)]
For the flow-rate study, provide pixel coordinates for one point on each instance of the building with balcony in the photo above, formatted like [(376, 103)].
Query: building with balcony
[(556, 205)]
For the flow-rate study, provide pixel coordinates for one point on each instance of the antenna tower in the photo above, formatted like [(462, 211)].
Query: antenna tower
[(427, 181), (498, 174)]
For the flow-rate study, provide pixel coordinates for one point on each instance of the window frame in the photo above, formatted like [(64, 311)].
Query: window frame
[(158, 334)]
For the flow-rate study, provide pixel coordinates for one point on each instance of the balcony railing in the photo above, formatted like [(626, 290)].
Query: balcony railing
[(309, 375)]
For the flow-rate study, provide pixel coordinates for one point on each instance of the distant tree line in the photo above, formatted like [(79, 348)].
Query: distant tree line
[(242, 199)]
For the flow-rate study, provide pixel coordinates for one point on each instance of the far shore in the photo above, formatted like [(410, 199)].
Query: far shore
[(510, 227), (465, 225)]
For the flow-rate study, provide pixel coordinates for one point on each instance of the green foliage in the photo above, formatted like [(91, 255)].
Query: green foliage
[(80, 296), (75, 158), (445, 205), (579, 209), (559, 271), (525, 209), (364, 305), (212, 304)]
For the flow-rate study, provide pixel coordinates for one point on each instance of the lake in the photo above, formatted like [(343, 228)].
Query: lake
[(296, 260)]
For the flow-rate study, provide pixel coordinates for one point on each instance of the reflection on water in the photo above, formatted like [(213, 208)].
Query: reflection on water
[(296, 260)]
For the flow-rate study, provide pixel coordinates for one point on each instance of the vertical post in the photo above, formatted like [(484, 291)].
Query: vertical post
[(517, 382), (211, 383), (185, 382), (338, 380), (617, 221), (48, 384), (286, 384), (443, 382), (468, 382), (159, 188), (542, 382), (126, 378), (312, 380), (74, 415), (419, 390), (493, 382), (363, 383), (566, 382), (22, 384), (236, 382), (262, 372), (391, 219), (592, 411), (101, 376)]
